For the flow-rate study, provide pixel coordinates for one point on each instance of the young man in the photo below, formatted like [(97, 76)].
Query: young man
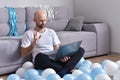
[(40, 41)]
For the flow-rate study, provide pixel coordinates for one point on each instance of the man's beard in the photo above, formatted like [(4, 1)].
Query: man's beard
[(41, 26)]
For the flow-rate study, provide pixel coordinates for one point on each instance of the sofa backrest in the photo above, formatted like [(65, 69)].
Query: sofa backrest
[(58, 23), (4, 21), (25, 16)]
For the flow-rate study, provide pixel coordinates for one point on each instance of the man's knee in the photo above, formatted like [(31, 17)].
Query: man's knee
[(81, 50)]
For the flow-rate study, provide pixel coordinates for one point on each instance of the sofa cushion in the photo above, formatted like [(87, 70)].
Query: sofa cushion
[(88, 38), (20, 13), (4, 26), (9, 50), (58, 23), (75, 24), (4, 21)]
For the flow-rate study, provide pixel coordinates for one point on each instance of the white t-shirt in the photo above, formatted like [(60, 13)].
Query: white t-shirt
[(45, 44)]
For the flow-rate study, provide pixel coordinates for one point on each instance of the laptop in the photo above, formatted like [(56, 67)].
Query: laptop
[(65, 50)]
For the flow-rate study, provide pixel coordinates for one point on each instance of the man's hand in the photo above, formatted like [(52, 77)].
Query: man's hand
[(36, 39), (65, 59)]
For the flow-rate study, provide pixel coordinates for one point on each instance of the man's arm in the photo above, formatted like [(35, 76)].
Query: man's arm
[(56, 46), (27, 50)]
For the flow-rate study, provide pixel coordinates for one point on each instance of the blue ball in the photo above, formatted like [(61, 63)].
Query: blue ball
[(87, 63), (104, 62), (53, 76), (84, 69), (97, 71), (69, 77), (13, 77), (80, 62), (30, 73), (37, 77), (84, 77)]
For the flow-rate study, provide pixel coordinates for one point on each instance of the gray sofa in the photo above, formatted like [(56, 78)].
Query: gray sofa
[(94, 36)]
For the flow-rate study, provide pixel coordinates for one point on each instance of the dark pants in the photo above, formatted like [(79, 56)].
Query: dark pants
[(43, 61)]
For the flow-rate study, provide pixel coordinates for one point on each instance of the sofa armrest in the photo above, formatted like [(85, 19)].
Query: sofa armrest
[(102, 34)]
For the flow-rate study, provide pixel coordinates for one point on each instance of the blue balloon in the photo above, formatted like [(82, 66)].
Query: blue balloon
[(30, 73), (13, 77), (104, 62), (84, 77), (97, 71), (80, 62), (69, 77), (52, 76), (87, 63), (84, 69), (37, 77)]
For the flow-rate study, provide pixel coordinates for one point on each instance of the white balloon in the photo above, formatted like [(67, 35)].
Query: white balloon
[(76, 73), (47, 71), (116, 76), (21, 72), (102, 77), (60, 79), (111, 67), (95, 65), (118, 63), (28, 65)]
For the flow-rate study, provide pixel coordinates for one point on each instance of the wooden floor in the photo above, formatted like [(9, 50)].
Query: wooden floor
[(113, 56)]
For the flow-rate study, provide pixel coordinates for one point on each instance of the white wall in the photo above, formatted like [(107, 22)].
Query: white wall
[(24, 3), (107, 11)]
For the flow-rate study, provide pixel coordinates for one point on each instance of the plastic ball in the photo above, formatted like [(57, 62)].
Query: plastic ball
[(104, 62), (84, 77), (87, 63), (118, 63), (97, 71), (21, 72), (95, 65), (76, 73), (47, 71), (60, 79), (116, 76), (84, 69), (69, 77), (102, 77), (111, 67), (37, 77), (13, 77), (80, 62), (53, 76), (28, 65), (30, 73)]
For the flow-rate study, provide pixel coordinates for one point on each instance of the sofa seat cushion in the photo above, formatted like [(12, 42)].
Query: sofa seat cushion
[(88, 38), (9, 51)]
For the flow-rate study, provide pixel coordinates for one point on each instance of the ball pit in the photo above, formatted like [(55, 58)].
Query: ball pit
[(86, 70)]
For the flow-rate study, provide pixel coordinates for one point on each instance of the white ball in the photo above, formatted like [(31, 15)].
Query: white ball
[(118, 63), (47, 71), (95, 65), (102, 77), (76, 73), (116, 76), (21, 72), (60, 79), (28, 65), (111, 67)]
